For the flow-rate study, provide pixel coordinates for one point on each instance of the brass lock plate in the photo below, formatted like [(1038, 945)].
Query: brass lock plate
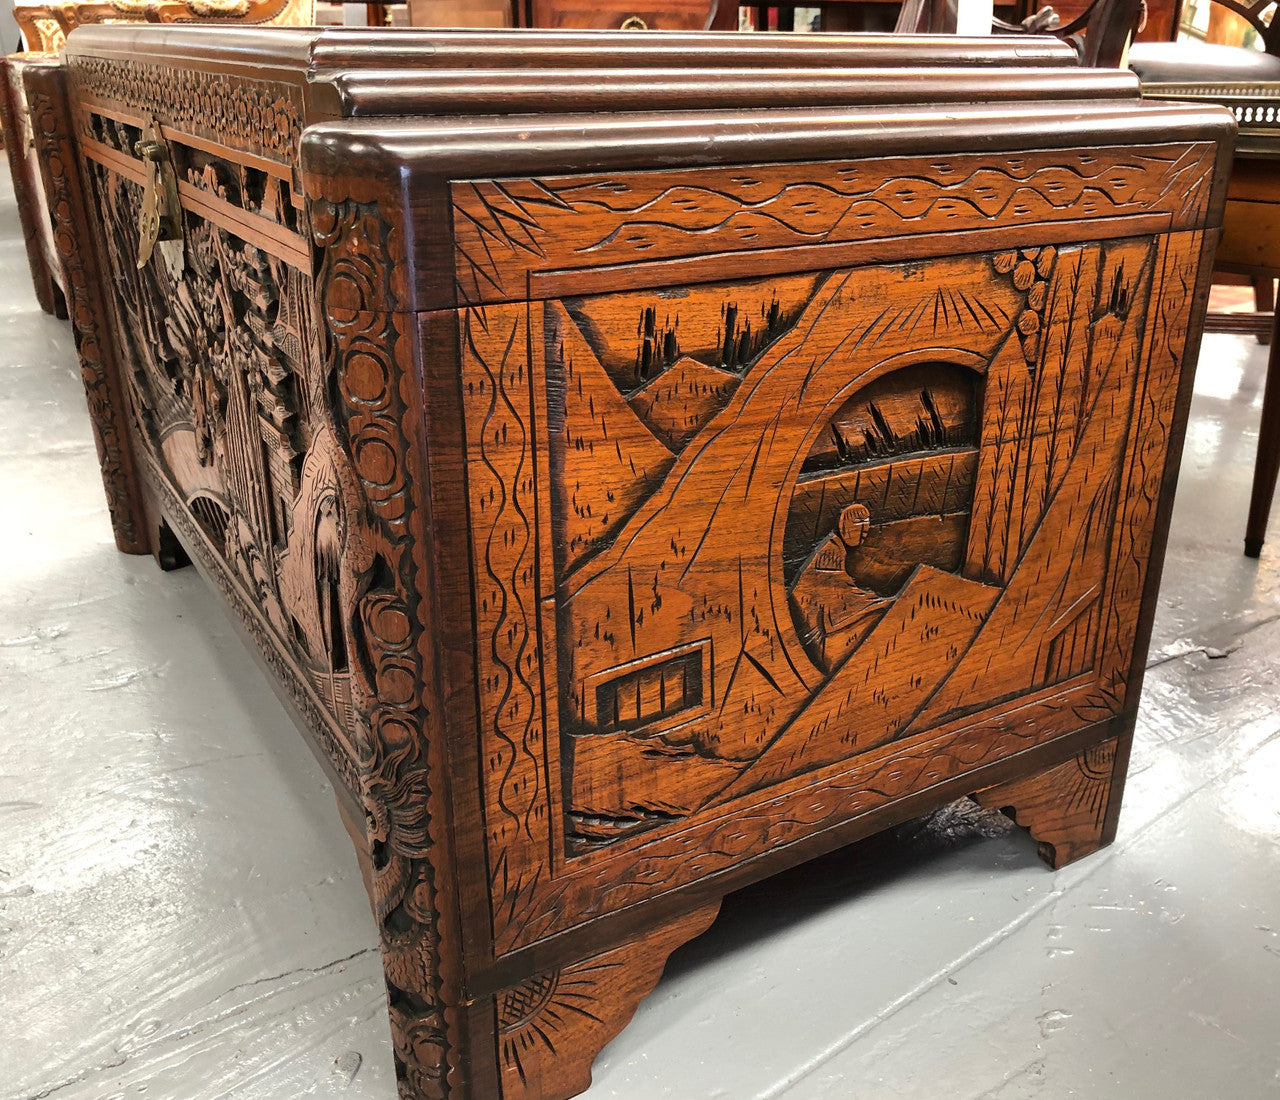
[(160, 218)]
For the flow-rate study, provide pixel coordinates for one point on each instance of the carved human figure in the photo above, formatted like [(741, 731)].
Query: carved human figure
[(855, 521), (837, 612)]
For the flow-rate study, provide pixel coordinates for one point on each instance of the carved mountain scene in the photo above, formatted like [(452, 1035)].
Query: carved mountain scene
[(913, 526), (677, 357), (699, 561), (604, 459), (682, 398)]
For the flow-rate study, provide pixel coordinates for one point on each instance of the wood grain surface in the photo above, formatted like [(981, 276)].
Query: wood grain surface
[(632, 507), (1066, 807)]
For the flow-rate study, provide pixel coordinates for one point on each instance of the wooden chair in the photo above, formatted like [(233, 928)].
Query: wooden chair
[(1247, 81), (1100, 33), (45, 24)]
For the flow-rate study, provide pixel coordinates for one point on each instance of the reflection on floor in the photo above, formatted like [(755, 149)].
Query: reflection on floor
[(181, 915)]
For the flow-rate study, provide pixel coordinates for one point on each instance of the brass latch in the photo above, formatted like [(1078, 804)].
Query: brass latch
[(160, 218)]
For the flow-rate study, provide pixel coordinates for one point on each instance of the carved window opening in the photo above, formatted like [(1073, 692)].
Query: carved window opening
[(904, 449), (253, 182), (650, 694), (924, 408), (887, 487), (336, 636), (213, 519)]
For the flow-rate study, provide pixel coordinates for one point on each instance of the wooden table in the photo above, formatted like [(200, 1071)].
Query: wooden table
[(628, 503)]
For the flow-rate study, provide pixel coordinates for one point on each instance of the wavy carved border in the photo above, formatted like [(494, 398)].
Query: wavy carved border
[(508, 230)]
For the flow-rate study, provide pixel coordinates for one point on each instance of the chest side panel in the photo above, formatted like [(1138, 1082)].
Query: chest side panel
[(267, 361), (753, 555)]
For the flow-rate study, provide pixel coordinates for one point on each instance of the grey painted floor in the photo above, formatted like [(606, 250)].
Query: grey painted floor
[(181, 914)]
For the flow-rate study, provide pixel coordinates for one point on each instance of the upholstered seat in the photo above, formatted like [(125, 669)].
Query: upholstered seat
[(1201, 63)]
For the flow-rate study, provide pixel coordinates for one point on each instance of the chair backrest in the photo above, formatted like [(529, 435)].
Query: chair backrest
[(46, 24), (1101, 33), (1252, 12)]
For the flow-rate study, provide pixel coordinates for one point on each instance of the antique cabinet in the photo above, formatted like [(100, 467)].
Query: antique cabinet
[(667, 15), (640, 480)]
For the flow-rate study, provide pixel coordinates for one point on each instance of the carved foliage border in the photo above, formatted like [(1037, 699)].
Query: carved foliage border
[(262, 117), (52, 133), (370, 355)]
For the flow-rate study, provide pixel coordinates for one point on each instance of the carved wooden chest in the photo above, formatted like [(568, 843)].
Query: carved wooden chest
[(651, 489)]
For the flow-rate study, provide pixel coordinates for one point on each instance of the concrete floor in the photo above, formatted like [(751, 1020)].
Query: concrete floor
[(181, 914)]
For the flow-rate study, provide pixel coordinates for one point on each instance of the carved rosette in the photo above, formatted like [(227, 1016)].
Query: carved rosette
[(262, 117), (368, 353), (552, 1025), (51, 128)]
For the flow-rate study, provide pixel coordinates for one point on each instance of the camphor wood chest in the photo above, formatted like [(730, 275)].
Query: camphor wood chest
[(640, 478)]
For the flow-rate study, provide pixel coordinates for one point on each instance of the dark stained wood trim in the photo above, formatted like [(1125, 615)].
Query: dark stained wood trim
[(519, 91), (330, 49), (280, 170), (270, 236)]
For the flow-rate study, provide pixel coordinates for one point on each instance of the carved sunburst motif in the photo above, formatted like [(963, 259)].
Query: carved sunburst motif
[(1090, 792), (534, 1015)]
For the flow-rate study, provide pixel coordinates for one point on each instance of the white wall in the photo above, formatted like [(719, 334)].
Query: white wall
[(9, 38)]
